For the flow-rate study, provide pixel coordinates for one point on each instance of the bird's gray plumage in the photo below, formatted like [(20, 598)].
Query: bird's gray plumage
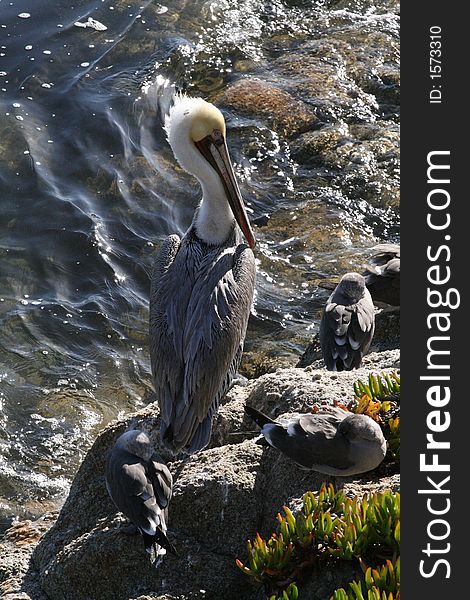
[(383, 274), (200, 301), (347, 324), (140, 486), (332, 441)]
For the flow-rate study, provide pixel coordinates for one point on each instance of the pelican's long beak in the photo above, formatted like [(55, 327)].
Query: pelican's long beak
[(214, 149)]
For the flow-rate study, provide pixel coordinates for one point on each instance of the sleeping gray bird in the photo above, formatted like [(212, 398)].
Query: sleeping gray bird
[(140, 484), (383, 274), (335, 442), (347, 324), (202, 285)]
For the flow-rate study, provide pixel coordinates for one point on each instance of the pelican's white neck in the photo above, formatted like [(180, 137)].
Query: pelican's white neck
[(214, 219)]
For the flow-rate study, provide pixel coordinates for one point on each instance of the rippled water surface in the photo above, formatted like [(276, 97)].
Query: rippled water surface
[(89, 188)]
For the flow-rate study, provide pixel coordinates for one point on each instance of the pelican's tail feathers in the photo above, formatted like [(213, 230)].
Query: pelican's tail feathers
[(201, 437)]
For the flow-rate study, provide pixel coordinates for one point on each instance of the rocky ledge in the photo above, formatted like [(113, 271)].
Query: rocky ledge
[(221, 498)]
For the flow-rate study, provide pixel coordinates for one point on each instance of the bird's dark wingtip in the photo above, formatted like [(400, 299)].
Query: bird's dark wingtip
[(159, 539), (258, 417), (263, 442), (170, 548)]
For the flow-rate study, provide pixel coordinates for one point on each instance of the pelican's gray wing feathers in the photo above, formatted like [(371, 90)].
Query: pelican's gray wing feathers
[(216, 322), (198, 317), (165, 323)]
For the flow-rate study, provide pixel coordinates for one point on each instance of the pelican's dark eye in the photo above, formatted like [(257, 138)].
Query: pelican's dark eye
[(217, 137)]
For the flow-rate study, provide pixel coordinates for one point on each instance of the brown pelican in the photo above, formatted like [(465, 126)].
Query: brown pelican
[(334, 441), (347, 325), (202, 285), (383, 275), (140, 484)]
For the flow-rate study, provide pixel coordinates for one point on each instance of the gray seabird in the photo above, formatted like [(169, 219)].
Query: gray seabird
[(202, 285), (140, 484), (335, 442), (347, 324), (383, 274)]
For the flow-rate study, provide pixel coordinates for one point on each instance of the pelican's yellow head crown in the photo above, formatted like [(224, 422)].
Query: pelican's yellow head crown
[(192, 117), (205, 118)]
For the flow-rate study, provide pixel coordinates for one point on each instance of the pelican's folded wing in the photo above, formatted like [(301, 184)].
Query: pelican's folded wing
[(217, 317), (166, 324)]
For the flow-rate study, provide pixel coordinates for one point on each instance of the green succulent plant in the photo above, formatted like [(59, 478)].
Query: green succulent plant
[(383, 387), (291, 593), (382, 583), (379, 398), (330, 526), (392, 435)]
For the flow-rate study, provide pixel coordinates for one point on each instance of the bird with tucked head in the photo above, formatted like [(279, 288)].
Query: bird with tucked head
[(140, 485), (347, 324), (331, 441)]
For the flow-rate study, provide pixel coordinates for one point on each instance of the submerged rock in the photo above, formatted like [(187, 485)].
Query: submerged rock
[(362, 159), (266, 101)]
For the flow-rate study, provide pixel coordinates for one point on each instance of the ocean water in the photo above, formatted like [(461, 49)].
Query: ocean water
[(89, 188)]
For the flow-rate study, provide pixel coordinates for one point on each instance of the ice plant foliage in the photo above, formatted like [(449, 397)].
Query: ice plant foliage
[(291, 593), (379, 388), (330, 526), (382, 583), (379, 398)]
